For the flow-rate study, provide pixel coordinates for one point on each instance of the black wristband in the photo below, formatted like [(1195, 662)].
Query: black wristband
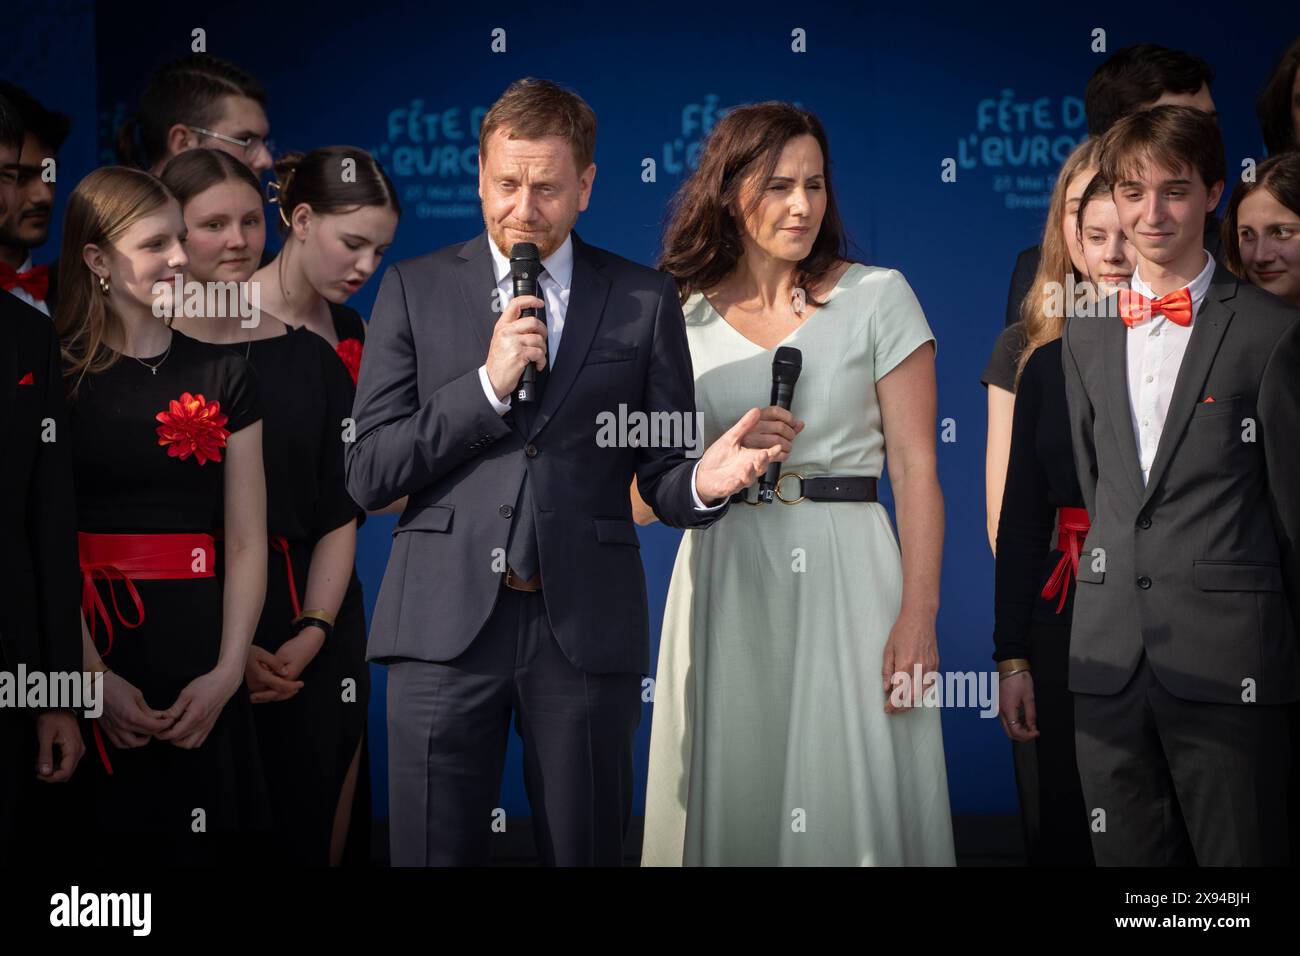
[(299, 623)]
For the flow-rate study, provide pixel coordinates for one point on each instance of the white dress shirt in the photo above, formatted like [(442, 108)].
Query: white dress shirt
[(555, 285), (1155, 353), (21, 293)]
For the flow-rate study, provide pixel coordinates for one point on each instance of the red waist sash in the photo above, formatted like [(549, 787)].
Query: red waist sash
[(1074, 525), (129, 558)]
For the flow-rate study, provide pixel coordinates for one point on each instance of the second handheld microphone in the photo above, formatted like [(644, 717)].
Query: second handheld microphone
[(786, 366)]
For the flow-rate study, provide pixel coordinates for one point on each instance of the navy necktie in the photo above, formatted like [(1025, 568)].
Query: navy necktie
[(521, 553)]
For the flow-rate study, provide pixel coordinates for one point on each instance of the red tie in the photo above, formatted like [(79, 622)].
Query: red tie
[(35, 281), (1134, 307)]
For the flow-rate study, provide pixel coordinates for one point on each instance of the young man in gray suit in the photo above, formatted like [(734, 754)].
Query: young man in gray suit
[(515, 583), (1184, 413)]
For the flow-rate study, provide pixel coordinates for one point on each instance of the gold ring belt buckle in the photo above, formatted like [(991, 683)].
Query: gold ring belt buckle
[(782, 498)]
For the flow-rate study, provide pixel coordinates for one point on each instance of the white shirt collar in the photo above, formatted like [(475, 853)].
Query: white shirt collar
[(558, 265), (1197, 287), (26, 265)]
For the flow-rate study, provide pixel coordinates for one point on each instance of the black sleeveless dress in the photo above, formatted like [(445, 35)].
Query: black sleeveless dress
[(307, 741)]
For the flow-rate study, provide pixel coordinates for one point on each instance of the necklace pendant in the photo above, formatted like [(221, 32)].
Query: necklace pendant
[(153, 370)]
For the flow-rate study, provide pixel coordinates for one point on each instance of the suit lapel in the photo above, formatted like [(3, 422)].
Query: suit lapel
[(478, 283), (1207, 332), (588, 290)]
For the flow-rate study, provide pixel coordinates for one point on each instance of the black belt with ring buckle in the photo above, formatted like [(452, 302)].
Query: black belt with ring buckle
[(819, 488)]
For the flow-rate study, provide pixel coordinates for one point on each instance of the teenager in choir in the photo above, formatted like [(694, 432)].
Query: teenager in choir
[(1136, 77), (38, 589), (309, 729), (335, 234), (1278, 104), (1037, 561), (166, 438), (197, 101), (335, 230), (27, 224), (777, 738), (1061, 259), (1261, 228), (1183, 415)]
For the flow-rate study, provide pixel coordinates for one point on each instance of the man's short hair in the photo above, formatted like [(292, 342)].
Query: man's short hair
[(1137, 76)]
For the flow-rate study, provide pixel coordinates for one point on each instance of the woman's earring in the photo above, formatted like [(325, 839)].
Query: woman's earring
[(103, 285)]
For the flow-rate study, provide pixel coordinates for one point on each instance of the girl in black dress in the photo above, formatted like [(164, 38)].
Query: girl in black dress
[(1036, 567), (310, 680), (166, 434), (1061, 261)]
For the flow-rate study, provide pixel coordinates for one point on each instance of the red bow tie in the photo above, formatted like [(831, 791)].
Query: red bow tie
[(35, 281), (1135, 308)]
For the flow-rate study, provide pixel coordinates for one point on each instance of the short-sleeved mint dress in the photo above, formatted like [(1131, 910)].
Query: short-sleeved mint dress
[(769, 743)]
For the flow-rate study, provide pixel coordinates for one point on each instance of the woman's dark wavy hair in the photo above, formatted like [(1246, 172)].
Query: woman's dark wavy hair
[(1273, 105), (702, 239)]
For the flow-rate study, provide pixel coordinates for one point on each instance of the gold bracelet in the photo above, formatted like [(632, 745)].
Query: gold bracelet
[(319, 612), (99, 668), (1019, 670), (1013, 665)]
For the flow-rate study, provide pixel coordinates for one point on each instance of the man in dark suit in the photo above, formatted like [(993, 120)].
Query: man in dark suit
[(1184, 408), (39, 579), (1135, 78), (515, 582)]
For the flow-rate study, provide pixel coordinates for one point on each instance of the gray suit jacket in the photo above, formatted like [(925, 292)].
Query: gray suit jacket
[(424, 428), (1200, 566)]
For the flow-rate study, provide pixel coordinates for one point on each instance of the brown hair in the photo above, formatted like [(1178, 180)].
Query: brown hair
[(1176, 137), (197, 170), (1137, 75), (532, 109), (104, 205), (1097, 188), (702, 239), (1054, 265), (1280, 175), (316, 178), (1273, 106)]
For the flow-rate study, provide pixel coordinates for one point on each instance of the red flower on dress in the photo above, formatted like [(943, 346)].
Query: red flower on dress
[(192, 426), (350, 352)]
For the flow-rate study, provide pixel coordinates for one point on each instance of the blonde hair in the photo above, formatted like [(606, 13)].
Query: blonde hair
[(103, 206), (1039, 326)]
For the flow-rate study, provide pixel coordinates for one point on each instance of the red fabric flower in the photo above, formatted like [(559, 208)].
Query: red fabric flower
[(192, 426), (350, 352)]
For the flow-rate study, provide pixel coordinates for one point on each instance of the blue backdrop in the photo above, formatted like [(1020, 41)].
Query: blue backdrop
[(900, 89)]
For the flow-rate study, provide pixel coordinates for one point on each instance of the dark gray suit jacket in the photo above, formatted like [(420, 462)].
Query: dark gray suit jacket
[(424, 428), (1201, 568)]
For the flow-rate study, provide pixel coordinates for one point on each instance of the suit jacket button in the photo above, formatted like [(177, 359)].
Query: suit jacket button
[(531, 451), (505, 511), (1144, 522), (1144, 582)]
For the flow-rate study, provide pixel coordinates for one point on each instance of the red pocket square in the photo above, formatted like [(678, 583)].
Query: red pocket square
[(27, 380), (1208, 399)]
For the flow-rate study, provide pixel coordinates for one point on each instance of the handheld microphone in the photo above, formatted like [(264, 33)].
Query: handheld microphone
[(525, 266), (786, 367)]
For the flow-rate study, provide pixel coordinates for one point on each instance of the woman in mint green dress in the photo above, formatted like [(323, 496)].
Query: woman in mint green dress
[(774, 738)]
